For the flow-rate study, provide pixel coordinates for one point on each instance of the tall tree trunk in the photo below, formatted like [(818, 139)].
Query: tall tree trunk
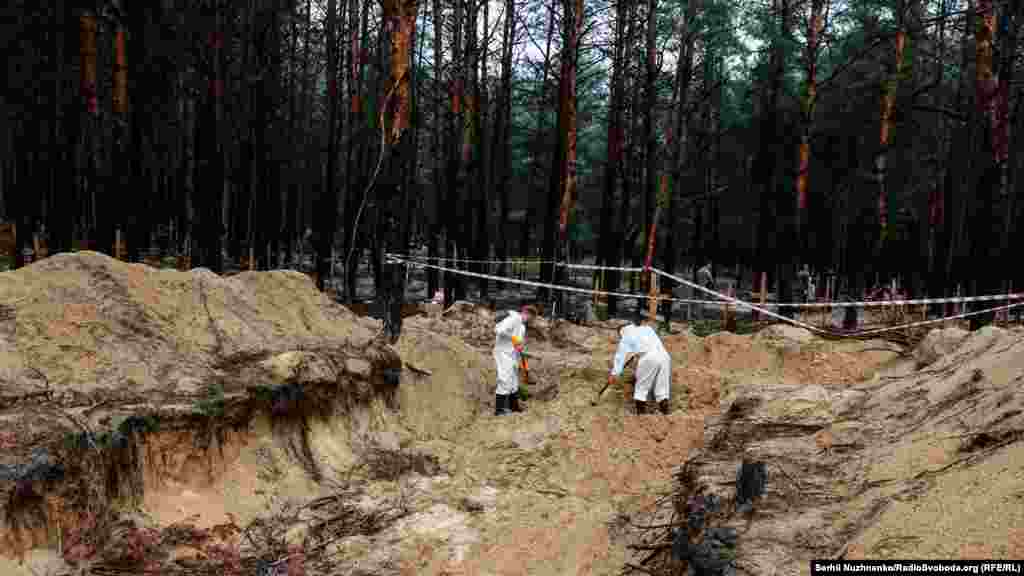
[(774, 245), (210, 137), (815, 24), (272, 184), (680, 134), (988, 159), (133, 194), (243, 197), (354, 151), (627, 239), (400, 17), (455, 286), (532, 209), (609, 246), (502, 145), (440, 230), (889, 91), (1010, 26), (477, 142), (329, 195), (650, 139)]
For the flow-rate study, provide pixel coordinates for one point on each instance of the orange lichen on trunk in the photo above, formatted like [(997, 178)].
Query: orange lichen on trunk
[(120, 95), (402, 17), (568, 109), (87, 53)]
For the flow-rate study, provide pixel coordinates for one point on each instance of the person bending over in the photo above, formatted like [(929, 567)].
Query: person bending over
[(653, 368)]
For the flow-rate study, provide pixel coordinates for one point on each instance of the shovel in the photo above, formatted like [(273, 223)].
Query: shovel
[(608, 382)]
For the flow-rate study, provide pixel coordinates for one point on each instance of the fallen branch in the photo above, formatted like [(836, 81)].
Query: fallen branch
[(417, 369)]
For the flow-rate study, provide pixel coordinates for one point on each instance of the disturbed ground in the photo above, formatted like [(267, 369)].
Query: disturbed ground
[(206, 425)]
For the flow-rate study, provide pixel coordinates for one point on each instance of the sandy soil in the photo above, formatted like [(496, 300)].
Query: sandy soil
[(550, 492)]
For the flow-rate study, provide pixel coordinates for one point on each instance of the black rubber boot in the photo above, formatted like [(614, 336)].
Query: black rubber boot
[(513, 402), (500, 404), (663, 406), (641, 407)]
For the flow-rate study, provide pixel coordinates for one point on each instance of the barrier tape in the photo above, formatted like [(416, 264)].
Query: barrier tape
[(741, 303), (856, 334), (804, 325), (507, 280), (833, 304), (470, 260), (724, 297), (920, 301), (520, 261), (940, 320)]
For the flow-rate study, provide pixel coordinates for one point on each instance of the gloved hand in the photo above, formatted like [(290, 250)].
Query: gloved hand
[(517, 344), (611, 379)]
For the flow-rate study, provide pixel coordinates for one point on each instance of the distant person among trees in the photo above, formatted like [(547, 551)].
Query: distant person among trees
[(704, 277)]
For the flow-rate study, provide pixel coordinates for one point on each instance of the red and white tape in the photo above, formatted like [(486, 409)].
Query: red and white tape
[(723, 298)]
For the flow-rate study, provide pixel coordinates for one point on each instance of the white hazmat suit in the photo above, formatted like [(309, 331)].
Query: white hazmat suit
[(505, 355), (654, 367)]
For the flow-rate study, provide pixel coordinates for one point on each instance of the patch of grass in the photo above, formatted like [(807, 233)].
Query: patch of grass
[(706, 327)]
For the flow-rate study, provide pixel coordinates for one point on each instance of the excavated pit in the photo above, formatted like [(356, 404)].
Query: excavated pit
[(185, 423)]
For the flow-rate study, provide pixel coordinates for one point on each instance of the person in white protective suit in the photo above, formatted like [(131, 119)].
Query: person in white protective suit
[(654, 366), (509, 339)]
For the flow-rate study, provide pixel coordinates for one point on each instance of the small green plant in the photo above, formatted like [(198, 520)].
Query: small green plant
[(212, 404)]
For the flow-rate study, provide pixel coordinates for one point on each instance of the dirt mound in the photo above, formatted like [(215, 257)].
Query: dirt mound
[(84, 321), (938, 343), (914, 465), (448, 385), (257, 424), (200, 399)]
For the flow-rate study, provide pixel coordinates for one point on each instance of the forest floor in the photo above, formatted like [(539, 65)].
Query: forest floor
[(423, 479)]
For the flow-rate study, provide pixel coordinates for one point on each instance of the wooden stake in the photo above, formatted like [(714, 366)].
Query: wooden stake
[(725, 312), (652, 302), (35, 245), (764, 288), (1005, 314), (252, 256)]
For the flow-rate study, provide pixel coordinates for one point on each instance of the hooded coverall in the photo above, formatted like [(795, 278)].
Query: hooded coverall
[(654, 367), (505, 355)]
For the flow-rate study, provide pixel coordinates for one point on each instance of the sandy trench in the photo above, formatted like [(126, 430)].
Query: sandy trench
[(550, 491)]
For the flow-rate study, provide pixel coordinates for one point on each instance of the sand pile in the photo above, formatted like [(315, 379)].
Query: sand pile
[(203, 401), (911, 463)]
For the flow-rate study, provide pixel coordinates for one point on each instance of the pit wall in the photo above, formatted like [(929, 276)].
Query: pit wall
[(194, 467)]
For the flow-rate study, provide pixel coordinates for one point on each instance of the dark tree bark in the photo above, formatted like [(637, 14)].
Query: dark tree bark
[(607, 255), (502, 146), (329, 195), (438, 172)]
